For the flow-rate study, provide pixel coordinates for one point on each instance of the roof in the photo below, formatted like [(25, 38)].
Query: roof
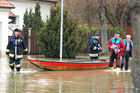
[(53, 0), (11, 14), (6, 4), (50, 0)]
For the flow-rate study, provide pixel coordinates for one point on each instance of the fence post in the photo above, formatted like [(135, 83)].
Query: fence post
[(29, 39)]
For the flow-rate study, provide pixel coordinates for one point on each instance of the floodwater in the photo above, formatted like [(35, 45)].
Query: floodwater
[(34, 80)]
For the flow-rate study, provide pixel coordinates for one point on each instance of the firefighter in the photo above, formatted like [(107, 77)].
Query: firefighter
[(15, 49), (94, 46)]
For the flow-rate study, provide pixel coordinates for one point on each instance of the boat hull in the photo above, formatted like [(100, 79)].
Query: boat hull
[(70, 65)]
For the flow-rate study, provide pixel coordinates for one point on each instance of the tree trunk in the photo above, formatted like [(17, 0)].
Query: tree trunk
[(135, 20), (103, 24)]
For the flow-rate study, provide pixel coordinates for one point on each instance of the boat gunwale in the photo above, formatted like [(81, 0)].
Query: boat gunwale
[(74, 61)]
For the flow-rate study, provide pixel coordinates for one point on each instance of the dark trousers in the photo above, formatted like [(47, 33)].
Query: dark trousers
[(92, 58), (112, 60), (14, 62), (125, 60)]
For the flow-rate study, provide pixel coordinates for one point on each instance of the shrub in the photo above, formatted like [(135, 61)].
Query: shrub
[(49, 37), (33, 20)]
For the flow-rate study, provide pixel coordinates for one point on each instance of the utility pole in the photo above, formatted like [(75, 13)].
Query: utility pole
[(61, 32)]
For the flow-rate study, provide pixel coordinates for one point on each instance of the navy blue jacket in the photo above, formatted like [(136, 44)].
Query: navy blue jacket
[(94, 45), (16, 46)]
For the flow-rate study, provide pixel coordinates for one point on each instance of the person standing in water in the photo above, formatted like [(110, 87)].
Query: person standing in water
[(116, 46), (15, 49), (94, 46), (127, 52)]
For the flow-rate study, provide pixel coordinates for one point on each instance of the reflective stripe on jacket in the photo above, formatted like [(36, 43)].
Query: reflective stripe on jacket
[(16, 46), (94, 45)]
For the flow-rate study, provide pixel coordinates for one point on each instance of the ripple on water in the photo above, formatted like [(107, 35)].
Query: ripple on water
[(28, 71), (114, 70)]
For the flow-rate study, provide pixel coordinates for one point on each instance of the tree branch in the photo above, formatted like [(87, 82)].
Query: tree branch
[(108, 17)]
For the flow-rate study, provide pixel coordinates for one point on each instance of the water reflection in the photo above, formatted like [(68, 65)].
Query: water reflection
[(60, 86), (34, 80), (81, 82), (3, 74)]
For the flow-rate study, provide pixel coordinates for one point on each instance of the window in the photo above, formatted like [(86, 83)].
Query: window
[(14, 20)]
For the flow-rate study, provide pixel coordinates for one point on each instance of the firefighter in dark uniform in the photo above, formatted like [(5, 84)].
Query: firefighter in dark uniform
[(15, 49), (94, 47)]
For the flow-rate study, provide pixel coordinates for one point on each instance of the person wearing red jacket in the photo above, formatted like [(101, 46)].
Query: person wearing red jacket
[(116, 46)]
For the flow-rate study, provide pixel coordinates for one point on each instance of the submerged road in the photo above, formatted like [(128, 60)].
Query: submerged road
[(34, 80)]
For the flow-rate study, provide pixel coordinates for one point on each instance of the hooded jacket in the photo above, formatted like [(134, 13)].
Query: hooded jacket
[(16, 46), (94, 45)]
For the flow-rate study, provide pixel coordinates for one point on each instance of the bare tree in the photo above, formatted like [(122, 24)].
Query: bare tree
[(85, 10), (135, 20), (103, 24), (116, 12)]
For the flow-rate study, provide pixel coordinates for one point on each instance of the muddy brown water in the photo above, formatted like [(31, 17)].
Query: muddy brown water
[(34, 80)]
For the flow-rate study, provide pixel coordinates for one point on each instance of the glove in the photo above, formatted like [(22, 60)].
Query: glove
[(99, 48), (7, 54)]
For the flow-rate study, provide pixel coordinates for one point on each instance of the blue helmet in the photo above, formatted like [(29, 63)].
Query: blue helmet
[(98, 34)]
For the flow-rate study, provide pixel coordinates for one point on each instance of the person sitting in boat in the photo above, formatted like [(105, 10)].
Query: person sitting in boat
[(14, 49), (127, 51), (116, 46), (94, 46)]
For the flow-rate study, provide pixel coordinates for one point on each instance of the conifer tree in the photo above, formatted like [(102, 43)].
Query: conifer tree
[(49, 37), (25, 26), (37, 20), (33, 19)]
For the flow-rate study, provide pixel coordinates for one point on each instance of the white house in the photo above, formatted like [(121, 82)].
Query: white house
[(22, 5), (16, 9), (5, 6)]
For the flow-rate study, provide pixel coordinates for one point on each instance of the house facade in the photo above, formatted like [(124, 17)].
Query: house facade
[(5, 7), (15, 9), (22, 5)]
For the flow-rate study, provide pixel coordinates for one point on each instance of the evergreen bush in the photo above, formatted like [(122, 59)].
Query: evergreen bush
[(49, 37), (33, 19)]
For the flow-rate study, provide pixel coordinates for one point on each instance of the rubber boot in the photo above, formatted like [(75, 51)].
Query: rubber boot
[(18, 69), (12, 68)]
